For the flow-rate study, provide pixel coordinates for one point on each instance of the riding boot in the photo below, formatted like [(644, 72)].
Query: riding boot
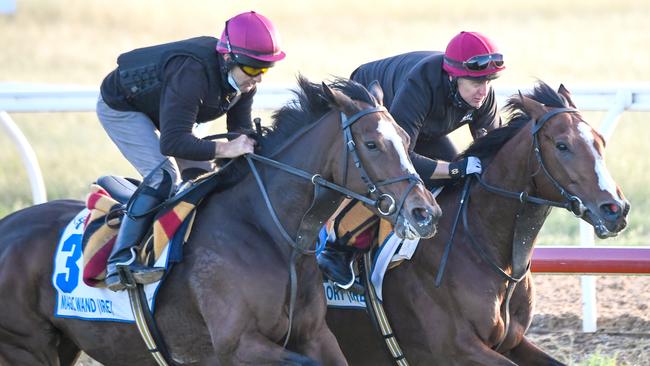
[(335, 261), (135, 224)]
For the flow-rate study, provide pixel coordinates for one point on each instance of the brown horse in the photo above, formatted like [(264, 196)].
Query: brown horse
[(227, 302), (463, 322)]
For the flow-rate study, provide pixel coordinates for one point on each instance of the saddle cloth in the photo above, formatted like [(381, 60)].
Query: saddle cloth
[(84, 247), (75, 299)]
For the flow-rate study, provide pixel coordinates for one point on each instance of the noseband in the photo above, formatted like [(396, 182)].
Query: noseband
[(373, 188)]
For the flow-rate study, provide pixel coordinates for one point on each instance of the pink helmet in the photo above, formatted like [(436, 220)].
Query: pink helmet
[(471, 54), (252, 40)]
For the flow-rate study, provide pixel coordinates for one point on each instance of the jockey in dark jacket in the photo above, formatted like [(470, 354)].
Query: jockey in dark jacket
[(430, 94), (150, 103)]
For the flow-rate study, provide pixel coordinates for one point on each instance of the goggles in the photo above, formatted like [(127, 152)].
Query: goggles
[(253, 71), (479, 63)]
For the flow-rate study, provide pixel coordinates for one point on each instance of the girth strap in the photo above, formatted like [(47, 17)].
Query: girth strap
[(378, 314), (147, 325)]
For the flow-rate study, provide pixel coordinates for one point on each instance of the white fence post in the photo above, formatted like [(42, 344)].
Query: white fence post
[(622, 101), (588, 284), (28, 156)]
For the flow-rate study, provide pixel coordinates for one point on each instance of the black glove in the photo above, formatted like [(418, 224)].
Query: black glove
[(469, 165)]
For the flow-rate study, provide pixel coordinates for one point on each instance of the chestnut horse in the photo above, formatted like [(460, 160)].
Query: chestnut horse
[(464, 320), (227, 302)]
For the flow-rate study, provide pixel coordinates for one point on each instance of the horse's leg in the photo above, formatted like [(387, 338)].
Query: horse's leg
[(256, 349), (311, 336), (527, 353), (68, 352), (25, 338), (13, 354), (477, 353), (324, 347)]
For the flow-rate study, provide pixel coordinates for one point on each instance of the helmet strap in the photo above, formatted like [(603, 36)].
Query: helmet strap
[(455, 97), (233, 82), (227, 65)]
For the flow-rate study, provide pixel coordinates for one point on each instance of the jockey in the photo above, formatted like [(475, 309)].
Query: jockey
[(430, 94), (151, 101)]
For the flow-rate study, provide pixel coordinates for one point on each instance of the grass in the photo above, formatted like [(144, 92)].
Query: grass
[(583, 42), (600, 360)]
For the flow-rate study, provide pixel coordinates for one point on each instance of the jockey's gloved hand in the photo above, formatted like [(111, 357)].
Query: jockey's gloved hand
[(469, 165)]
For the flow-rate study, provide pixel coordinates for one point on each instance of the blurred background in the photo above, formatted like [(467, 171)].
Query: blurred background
[(580, 43)]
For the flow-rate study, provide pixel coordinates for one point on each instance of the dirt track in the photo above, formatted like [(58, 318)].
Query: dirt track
[(623, 320)]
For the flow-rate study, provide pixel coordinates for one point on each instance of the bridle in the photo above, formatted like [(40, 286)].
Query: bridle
[(572, 203), (522, 244), (373, 188), (375, 197), (301, 243)]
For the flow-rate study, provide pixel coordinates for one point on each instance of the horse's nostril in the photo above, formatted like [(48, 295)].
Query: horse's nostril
[(611, 210), (421, 216)]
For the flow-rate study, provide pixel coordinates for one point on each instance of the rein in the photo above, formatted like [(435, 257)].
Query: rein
[(300, 244), (522, 242), (317, 180), (572, 203)]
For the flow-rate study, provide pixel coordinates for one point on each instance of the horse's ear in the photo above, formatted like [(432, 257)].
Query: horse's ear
[(566, 94), (338, 100), (534, 108), (329, 93), (375, 89), (332, 96)]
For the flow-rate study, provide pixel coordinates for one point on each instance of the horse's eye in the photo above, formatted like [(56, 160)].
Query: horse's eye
[(371, 145), (561, 146)]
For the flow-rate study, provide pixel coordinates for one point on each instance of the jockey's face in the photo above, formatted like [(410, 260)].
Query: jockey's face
[(245, 82), (473, 91)]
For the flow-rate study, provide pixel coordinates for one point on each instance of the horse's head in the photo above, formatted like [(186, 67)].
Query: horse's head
[(571, 155), (377, 162)]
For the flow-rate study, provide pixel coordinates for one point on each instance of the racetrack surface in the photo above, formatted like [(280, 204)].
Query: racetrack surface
[(623, 321)]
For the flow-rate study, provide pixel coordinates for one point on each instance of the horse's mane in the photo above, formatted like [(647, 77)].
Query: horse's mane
[(486, 146), (307, 107)]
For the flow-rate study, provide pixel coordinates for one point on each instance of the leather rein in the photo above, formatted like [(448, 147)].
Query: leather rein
[(318, 181), (522, 242), (312, 219)]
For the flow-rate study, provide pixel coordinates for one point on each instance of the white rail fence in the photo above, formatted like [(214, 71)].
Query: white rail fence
[(17, 98)]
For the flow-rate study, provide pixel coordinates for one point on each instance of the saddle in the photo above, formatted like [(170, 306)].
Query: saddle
[(107, 203)]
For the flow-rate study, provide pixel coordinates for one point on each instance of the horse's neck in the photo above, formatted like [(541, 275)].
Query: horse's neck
[(291, 196), (499, 220)]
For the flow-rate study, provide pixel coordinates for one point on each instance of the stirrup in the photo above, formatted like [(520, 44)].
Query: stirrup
[(346, 286), (126, 277), (134, 254)]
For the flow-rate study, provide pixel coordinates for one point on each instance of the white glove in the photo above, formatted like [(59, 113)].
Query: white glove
[(473, 165), (469, 165)]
